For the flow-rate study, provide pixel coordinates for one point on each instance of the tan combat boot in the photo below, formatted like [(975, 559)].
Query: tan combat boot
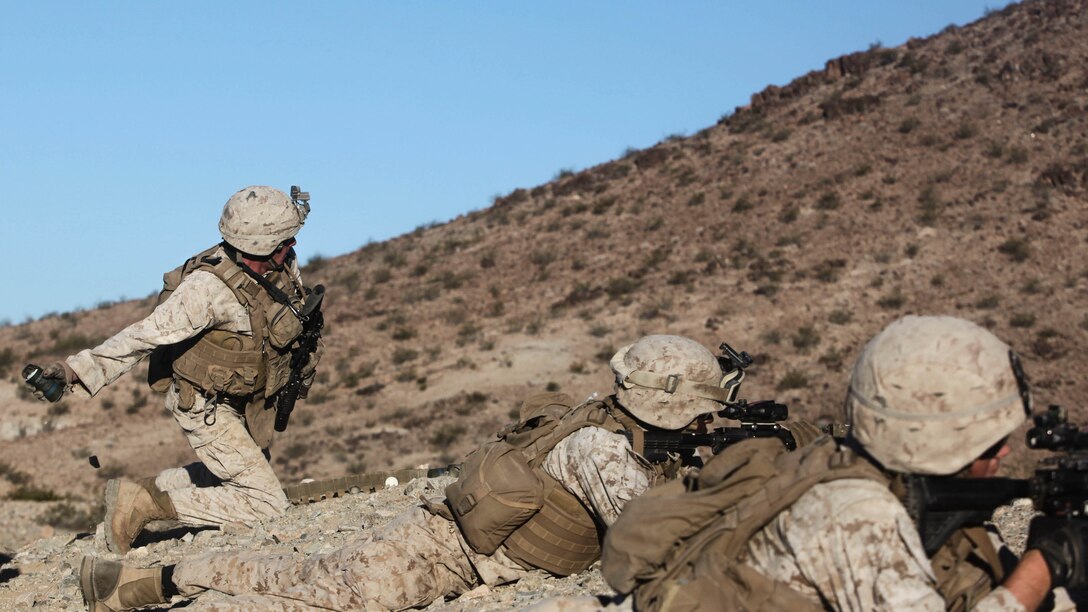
[(109, 586), (129, 508)]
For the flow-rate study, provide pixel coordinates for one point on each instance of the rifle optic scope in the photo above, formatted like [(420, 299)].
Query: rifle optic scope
[(1053, 431), (763, 412)]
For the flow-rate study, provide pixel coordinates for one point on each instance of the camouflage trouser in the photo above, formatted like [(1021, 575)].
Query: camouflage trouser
[(233, 481), (414, 560)]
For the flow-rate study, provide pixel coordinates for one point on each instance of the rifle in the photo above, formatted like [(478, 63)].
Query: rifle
[(757, 420), (312, 322), (940, 505)]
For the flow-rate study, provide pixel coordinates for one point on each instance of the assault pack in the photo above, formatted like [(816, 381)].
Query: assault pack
[(680, 547), (504, 496)]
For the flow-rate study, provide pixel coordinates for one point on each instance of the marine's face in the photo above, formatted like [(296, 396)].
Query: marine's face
[(282, 252), (987, 466)]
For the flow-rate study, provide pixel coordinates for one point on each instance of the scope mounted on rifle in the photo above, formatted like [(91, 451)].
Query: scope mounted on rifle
[(1053, 431)]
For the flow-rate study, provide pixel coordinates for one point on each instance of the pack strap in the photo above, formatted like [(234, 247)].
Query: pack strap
[(589, 414)]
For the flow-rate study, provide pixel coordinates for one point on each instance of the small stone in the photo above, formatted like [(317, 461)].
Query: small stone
[(236, 528), (481, 591)]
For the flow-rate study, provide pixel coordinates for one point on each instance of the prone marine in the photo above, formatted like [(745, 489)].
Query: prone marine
[(539, 497), (828, 527)]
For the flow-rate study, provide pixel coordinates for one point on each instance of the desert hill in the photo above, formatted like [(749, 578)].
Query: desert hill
[(947, 175)]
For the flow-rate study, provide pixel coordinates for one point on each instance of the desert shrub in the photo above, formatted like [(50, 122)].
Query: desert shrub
[(599, 330), (406, 332), (794, 379), (381, 275), (742, 204), (447, 435), (892, 301), (466, 332), (350, 281), (1032, 287), (318, 397), (109, 472), (697, 199), (70, 343), (542, 258), (680, 277), (828, 270), (30, 493), (1017, 249), (929, 205), (404, 355), (988, 302), (964, 131), (832, 359), (139, 400), (620, 286), (806, 338), (1017, 155), (1022, 319), (781, 135), (315, 263), (789, 214), (13, 474), (840, 317), (828, 201), (7, 358), (656, 258), (66, 516), (907, 126), (296, 450)]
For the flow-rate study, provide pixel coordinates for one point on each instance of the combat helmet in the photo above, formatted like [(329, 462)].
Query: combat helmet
[(929, 395), (258, 219), (667, 381)]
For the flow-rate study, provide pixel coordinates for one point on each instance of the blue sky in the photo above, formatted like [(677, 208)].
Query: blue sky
[(127, 125)]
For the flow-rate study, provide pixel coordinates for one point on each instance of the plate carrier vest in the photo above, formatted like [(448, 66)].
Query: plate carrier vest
[(239, 370)]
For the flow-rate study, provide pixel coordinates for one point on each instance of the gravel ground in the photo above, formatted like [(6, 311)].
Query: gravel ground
[(44, 574)]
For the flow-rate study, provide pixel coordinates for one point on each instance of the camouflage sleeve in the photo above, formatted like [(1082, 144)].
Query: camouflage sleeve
[(851, 544), (201, 301), (599, 468)]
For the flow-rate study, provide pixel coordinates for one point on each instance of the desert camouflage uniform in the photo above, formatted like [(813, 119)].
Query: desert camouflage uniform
[(850, 545), (233, 480), (418, 557)]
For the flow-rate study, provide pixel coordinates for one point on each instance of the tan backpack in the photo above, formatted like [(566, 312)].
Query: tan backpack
[(502, 485), (678, 546)]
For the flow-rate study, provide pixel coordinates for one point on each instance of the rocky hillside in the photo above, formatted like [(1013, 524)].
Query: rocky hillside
[(947, 175)]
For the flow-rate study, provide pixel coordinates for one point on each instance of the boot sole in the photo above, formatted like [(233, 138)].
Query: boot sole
[(112, 488), (86, 581)]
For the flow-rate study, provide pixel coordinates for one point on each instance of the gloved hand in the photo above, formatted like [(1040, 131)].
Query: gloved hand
[(309, 371), (1064, 548), (315, 358), (58, 370), (803, 432)]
